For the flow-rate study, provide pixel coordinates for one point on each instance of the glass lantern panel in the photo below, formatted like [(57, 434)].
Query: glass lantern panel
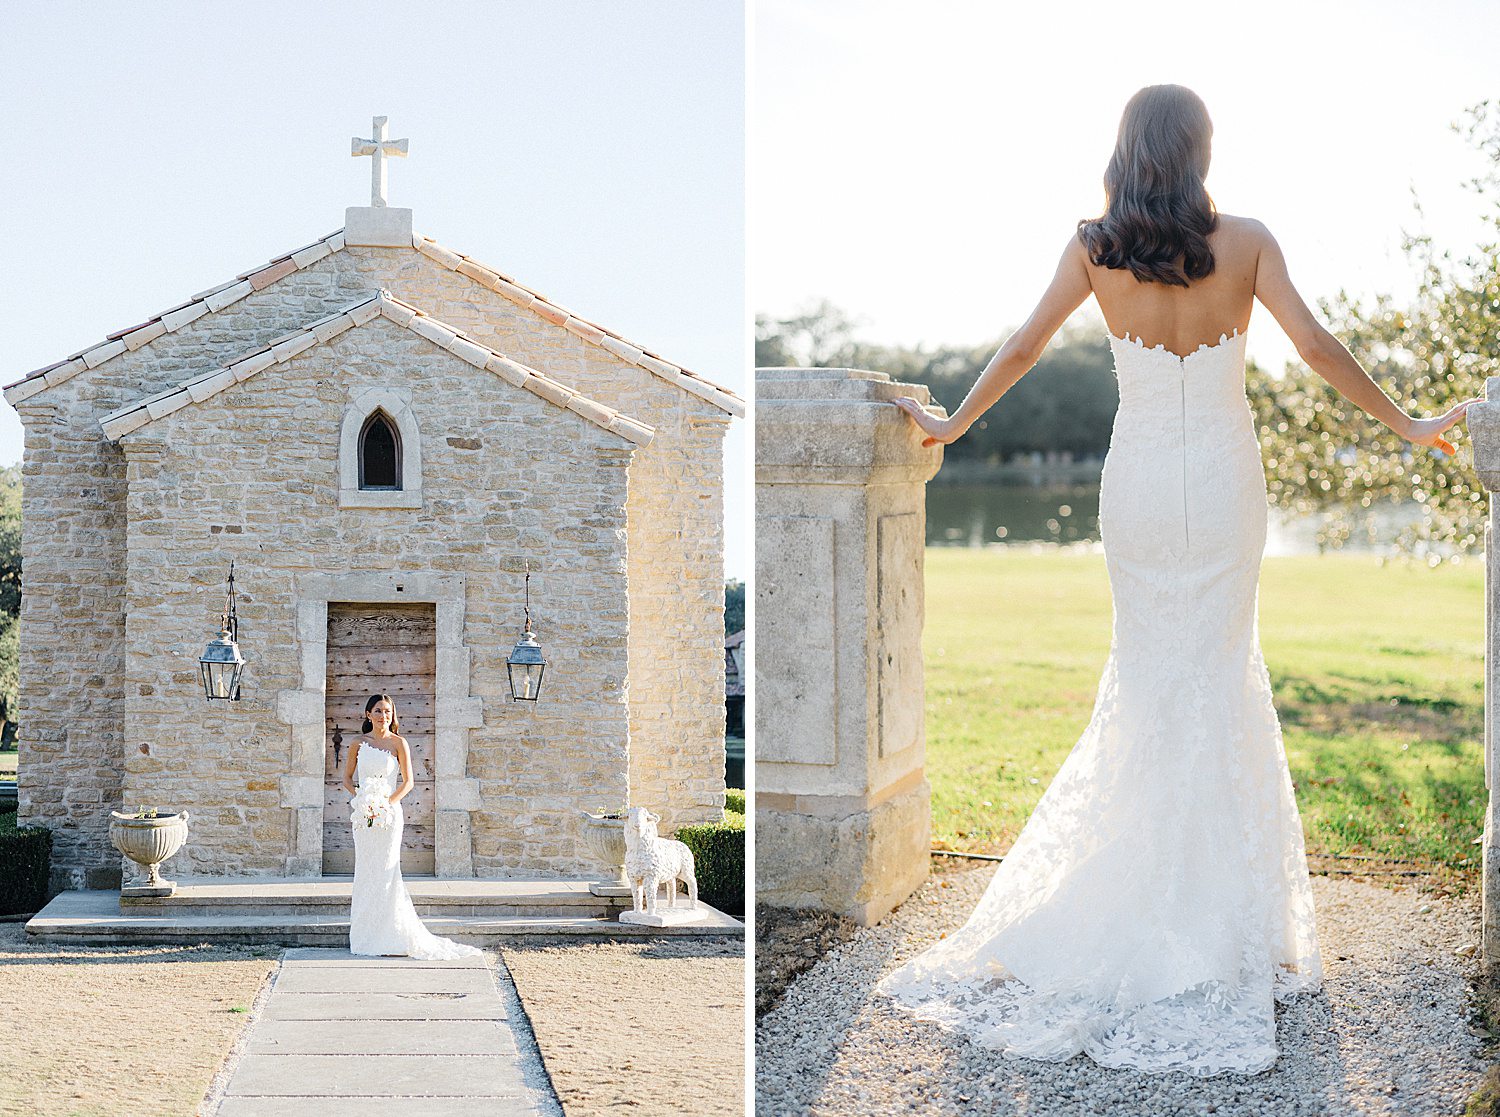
[(221, 680), (525, 681)]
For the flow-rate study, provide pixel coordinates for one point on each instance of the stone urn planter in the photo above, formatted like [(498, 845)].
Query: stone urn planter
[(148, 842), (605, 834)]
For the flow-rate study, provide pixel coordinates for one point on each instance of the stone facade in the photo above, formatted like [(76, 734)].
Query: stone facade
[(127, 543)]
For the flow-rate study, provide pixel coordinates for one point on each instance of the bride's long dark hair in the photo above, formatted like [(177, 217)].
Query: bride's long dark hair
[(370, 705), (1157, 214)]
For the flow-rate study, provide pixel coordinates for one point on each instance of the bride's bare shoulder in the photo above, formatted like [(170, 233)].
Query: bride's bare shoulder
[(1247, 229)]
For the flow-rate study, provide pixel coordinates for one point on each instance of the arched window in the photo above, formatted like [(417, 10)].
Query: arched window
[(380, 450), (380, 453)]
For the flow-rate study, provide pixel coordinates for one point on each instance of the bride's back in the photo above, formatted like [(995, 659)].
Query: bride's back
[(1183, 318)]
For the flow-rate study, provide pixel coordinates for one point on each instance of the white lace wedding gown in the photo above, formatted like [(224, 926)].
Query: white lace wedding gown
[(382, 919), (1156, 904)]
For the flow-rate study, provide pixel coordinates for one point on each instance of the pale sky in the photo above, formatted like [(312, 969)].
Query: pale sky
[(594, 151), (923, 165)]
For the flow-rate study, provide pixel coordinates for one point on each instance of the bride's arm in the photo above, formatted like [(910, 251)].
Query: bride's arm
[(347, 771), (403, 755), (1069, 287), (1326, 355)]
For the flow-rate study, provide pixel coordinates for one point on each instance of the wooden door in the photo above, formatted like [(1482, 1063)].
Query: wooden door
[(381, 649)]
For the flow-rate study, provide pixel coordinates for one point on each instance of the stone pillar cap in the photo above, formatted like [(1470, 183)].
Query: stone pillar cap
[(777, 384), (837, 426), (1483, 421)]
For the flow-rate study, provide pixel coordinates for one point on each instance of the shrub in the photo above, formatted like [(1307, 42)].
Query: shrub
[(719, 861), (734, 800), (25, 861)]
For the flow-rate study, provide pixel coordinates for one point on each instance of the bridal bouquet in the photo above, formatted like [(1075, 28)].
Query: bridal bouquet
[(372, 805)]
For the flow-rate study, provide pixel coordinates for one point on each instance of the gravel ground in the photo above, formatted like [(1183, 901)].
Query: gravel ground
[(1390, 1034), (100, 1031), (655, 1028), (789, 942)]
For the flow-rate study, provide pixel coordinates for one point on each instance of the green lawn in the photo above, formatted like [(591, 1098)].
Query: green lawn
[(8, 764), (1377, 672)]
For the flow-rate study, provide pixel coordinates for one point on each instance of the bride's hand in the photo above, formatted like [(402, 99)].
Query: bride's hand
[(934, 429), (1428, 432)]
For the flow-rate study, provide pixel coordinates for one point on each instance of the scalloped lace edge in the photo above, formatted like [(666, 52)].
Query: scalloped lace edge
[(1140, 343)]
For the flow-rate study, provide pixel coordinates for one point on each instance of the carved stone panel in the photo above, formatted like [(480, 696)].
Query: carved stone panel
[(898, 632), (796, 699)]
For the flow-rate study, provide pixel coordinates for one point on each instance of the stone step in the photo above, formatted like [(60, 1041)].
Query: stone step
[(329, 895), (95, 917)]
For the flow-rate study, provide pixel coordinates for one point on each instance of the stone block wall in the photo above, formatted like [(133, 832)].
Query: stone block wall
[(72, 628), (506, 476), (676, 526), (74, 509)]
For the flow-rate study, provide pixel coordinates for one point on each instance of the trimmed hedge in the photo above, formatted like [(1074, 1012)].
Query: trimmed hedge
[(25, 861), (734, 800), (719, 861)]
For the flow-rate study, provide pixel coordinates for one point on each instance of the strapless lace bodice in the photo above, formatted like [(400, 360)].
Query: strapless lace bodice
[(375, 763)]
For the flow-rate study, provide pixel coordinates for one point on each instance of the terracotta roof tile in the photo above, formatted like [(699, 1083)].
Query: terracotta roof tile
[(135, 415), (149, 332), (590, 331), (182, 316), (266, 276), (129, 330), (257, 279), (556, 315), (173, 318), (95, 357), (228, 295)]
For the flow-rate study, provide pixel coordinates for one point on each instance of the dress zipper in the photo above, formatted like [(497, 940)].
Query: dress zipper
[(1182, 380)]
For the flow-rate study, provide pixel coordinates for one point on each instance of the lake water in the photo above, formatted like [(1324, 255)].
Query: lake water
[(989, 513)]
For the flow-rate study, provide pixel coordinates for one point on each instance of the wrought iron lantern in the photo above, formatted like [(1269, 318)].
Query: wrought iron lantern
[(525, 665), (221, 662)]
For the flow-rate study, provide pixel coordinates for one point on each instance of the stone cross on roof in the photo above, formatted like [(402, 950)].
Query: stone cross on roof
[(379, 149)]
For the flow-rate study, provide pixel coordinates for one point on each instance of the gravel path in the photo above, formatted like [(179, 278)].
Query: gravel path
[(654, 1027), (1389, 1035)]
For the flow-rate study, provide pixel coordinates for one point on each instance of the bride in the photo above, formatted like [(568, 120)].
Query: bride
[(382, 919), (1156, 904)]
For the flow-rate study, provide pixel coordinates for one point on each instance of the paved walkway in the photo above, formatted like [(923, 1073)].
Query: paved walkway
[(341, 1034)]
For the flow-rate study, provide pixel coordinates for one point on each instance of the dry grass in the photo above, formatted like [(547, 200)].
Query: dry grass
[(650, 1027), (100, 1031)]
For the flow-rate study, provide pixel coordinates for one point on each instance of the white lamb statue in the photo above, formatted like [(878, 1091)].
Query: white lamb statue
[(651, 861)]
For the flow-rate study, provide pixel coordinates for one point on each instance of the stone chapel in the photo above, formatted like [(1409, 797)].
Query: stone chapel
[(385, 436)]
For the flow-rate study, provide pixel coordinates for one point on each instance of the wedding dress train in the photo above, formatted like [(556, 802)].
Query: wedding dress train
[(382, 919), (1156, 904)]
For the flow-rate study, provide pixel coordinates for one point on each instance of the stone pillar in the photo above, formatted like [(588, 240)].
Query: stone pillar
[(843, 818), (1483, 421)]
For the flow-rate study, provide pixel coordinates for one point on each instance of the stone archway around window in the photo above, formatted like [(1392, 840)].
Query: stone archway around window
[(380, 452)]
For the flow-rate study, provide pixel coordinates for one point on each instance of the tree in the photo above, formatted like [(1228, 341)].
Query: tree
[(1067, 402), (734, 606), (819, 336), (1323, 453), (10, 594)]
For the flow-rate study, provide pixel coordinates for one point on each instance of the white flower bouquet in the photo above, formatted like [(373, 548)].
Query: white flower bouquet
[(372, 804)]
